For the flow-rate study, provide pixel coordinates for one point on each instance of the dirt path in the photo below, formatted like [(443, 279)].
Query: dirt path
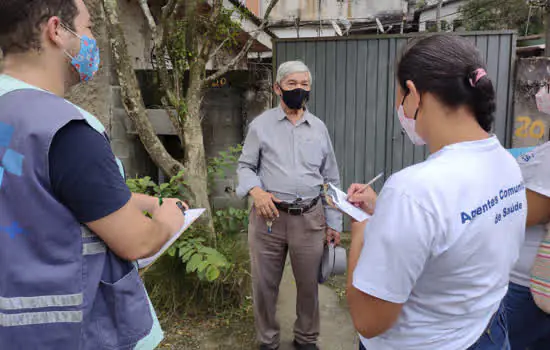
[(337, 332)]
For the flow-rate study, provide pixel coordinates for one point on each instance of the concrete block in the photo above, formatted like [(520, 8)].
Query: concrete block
[(116, 97), (118, 130), (121, 148), (159, 119)]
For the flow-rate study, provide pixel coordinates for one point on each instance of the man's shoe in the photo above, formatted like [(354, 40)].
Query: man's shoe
[(311, 346)]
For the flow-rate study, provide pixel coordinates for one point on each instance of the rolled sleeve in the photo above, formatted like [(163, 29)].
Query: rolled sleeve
[(398, 243), (330, 173), (247, 170)]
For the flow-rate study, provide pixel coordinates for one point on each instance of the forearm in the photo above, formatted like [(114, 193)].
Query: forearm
[(334, 218), (353, 295), (152, 240), (248, 180), (357, 234), (145, 203)]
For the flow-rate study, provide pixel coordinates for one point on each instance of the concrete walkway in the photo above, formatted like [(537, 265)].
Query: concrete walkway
[(337, 332)]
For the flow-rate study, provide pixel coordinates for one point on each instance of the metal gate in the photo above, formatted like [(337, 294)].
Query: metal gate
[(354, 94)]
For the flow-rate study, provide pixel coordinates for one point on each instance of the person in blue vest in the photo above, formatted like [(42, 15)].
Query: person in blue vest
[(69, 227)]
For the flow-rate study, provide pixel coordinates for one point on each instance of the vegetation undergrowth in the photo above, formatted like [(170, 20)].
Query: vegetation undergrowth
[(200, 276)]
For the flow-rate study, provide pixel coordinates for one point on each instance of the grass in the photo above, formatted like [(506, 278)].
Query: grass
[(202, 315), (232, 329)]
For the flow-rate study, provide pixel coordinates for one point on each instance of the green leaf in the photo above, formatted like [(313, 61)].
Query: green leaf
[(184, 251), (208, 250), (212, 273), (188, 255), (171, 251), (193, 263), (203, 265)]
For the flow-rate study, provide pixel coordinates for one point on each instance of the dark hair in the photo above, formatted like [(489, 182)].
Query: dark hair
[(21, 22), (446, 66)]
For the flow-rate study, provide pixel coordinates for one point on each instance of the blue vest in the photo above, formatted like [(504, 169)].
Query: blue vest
[(61, 287)]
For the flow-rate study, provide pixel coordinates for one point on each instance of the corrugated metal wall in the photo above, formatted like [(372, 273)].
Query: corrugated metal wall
[(354, 94)]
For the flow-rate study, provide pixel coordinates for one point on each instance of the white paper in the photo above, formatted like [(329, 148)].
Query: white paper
[(340, 200), (190, 216)]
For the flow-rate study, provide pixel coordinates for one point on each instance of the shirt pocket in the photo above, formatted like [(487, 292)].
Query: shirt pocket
[(312, 151)]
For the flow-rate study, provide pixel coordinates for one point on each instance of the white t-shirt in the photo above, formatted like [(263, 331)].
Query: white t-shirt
[(442, 241), (535, 167)]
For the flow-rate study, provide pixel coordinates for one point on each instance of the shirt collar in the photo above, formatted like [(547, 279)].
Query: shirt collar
[(305, 119)]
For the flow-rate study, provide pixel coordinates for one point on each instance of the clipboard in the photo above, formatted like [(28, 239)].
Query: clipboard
[(339, 200), (191, 215)]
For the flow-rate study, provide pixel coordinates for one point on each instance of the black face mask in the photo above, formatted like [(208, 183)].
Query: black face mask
[(295, 99)]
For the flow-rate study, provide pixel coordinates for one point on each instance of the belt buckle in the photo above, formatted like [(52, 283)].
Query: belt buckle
[(295, 211)]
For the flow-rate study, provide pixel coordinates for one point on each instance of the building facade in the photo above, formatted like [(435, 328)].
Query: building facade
[(319, 18)]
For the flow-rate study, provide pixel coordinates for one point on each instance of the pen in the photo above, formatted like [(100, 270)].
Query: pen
[(182, 208), (373, 180)]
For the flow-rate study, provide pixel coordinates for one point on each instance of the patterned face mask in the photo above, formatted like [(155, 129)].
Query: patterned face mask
[(86, 62)]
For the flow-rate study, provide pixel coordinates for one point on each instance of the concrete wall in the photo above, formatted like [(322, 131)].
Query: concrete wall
[(449, 12), (531, 127), (304, 32), (310, 10)]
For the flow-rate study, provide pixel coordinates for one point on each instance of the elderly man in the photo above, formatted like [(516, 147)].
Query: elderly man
[(287, 157)]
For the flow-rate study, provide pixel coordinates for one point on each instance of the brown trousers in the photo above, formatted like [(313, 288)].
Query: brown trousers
[(303, 237)]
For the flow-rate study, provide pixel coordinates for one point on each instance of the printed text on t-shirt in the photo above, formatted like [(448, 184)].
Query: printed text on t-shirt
[(468, 216)]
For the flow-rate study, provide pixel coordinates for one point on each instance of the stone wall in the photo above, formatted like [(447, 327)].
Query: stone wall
[(530, 125)]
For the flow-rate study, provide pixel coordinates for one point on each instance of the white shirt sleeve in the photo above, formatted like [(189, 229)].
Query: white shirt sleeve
[(398, 243), (535, 168)]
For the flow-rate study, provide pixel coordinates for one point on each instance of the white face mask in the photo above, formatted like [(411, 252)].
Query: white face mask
[(409, 125)]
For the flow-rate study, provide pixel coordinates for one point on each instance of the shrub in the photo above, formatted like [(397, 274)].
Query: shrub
[(207, 276)]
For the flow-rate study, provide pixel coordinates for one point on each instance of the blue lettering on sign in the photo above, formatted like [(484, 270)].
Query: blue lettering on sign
[(527, 156), (468, 216)]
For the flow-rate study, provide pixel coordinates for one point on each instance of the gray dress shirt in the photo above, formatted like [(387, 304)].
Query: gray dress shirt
[(290, 161)]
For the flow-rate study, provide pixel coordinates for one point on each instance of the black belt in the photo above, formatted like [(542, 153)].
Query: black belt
[(297, 209)]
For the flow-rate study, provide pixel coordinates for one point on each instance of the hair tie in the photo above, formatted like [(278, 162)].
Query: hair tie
[(479, 73)]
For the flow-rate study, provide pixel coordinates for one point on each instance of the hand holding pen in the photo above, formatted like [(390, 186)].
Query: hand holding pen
[(170, 213), (363, 196)]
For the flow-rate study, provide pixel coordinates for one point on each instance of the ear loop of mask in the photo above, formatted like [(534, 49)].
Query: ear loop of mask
[(73, 33)]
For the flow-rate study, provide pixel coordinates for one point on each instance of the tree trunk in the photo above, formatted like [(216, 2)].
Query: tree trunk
[(131, 94), (193, 144)]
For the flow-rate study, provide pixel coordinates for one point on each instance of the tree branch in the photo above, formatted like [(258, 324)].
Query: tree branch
[(168, 9), (160, 53), (131, 94), (245, 48), (217, 49), (149, 17), (217, 6)]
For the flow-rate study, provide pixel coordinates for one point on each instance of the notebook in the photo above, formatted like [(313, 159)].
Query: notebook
[(191, 216), (339, 200)]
